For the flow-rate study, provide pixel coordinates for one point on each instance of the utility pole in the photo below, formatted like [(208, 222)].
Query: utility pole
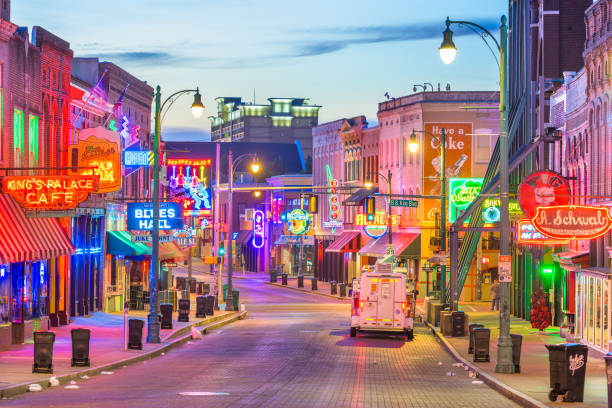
[(443, 214), (229, 299)]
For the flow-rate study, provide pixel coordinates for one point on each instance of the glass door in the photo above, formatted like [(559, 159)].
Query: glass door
[(597, 312)]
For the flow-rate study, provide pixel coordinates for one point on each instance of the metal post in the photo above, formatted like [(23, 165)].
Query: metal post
[(154, 324), (216, 244), (504, 342), (389, 222), (454, 253), (229, 299), (301, 260), (443, 214), (267, 232)]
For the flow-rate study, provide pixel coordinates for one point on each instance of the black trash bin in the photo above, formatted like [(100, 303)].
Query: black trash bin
[(313, 283), (284, 279), (17, 332), (273, 275), (43, 352), (166, 312), (184, 306), (343, 290), (236, 299), (517, 341), (482, 335), (181, 283), (192, 285), (458, 324), (333, 287), (471, 328), (210, 305), (608, 358), (300, 281), (206, 288), (567, 370), (201, 306), (80, 347), (135, 327)]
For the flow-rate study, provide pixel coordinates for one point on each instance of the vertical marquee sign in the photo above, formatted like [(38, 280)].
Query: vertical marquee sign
[(335, 212), (258, 229), (458, 160), (188, 183)]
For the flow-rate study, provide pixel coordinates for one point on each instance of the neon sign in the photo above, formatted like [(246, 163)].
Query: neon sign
[(140, 216), (198, 206), (188, 162), (2, 271), (187, 177), (335, 212), (258, 229), (379, 220), (184, 239), (50, 192), (299, 221), (527, 234), (137, 158), (572, 221), (462, 191), (543, 188), (128, 138)]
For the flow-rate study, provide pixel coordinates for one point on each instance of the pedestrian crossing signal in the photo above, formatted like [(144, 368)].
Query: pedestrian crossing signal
[(221, 251)]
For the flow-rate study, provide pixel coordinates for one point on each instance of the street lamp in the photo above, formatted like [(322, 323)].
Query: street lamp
[(389, 220), (413, 145), (447, 53), (153, 333), (232, 166)]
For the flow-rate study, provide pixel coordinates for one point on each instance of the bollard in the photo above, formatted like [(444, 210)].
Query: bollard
[(135, 335), (482, 336), (272, 275), (343, 290), (333, 287), (184, 306), (166, 312), (284, 279), (313, 283), (300, 281), (210, 305), (80, 347), (201, 307), (43, 352)]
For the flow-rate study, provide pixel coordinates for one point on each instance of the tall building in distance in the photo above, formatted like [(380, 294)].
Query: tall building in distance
[(283, 120)]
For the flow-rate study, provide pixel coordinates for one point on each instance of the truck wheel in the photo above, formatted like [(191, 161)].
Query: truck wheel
[(409, 335), (569, 396), (552, 395), (353, 332)]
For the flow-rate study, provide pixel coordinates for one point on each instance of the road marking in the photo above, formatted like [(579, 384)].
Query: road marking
[(202, 393)]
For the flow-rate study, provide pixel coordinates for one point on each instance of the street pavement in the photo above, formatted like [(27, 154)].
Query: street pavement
[(294, 350)]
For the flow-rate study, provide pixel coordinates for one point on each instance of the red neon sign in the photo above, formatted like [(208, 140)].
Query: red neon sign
[(50, 192), (527, 234), (380, 220), (543, 188), (572, 221)]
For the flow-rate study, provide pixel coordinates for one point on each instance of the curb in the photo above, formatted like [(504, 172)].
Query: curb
[(487, 378), (22, 388), (308, 291)]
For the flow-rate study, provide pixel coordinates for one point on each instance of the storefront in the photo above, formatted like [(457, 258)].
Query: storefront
[(31, 250), (288, 253), (570, 263), (593, 314), (346, 247), (407, 247)]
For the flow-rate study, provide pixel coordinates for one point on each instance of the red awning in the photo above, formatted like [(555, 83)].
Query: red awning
[(401, 241), (29, 239), (346, 242)]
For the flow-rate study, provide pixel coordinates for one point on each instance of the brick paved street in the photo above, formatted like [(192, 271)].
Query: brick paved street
[(294, 350)]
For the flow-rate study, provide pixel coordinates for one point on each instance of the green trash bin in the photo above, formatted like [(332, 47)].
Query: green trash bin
[(224, 290), (236, 297)]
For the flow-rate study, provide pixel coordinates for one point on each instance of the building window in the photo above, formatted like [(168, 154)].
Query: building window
[(483, 148), (18, 136), (33, 140)]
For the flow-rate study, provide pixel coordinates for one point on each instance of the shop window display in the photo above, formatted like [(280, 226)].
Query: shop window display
[(5, 295)]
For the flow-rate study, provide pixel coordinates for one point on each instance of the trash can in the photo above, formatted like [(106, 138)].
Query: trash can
[(471, 329), (343, 290), (184, 305), (458, 321), (284, 279), (17, 332), (446, 323), (201, 306), (313, 283), (235, 299), (517, 341), (43, 352), (210, 305), (567, 371), (608, 358), (180, 283), (135, 334), (482, 335), (206, 288), (333, 287), (300, 281), (272, 275), (80, 347), (166, 312), (192, 285)]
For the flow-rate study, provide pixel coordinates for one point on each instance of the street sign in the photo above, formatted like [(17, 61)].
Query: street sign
[(170, 264), (504, 267), (149, 238), (404, 203)]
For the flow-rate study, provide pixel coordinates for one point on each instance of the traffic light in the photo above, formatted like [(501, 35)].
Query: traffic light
[(370, 208), (221, 251), (313, 204)]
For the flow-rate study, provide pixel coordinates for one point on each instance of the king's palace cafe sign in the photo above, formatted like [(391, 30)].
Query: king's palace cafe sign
[(49, 192)]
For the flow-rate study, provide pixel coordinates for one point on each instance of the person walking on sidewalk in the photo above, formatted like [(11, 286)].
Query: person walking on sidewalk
[(495, 295)]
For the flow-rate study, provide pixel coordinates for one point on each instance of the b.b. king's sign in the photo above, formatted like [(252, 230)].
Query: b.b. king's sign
[(140, 216)]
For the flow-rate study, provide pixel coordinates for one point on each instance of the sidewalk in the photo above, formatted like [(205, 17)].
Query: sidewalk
[(106, 348), (533, 380), (323, 288)]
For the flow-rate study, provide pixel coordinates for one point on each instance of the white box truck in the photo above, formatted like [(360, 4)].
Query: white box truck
[(381, 303)]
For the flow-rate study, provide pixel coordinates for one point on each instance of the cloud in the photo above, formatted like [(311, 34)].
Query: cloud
[(143, 57), (185, 134)]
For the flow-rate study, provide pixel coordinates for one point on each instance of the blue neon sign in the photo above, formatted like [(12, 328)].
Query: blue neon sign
[(137, 158), (140, 216)]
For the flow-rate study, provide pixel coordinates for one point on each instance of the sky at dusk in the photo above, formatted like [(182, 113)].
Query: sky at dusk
[(341, 54)]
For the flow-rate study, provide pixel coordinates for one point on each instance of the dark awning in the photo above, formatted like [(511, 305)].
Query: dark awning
[(243, 237), (357, 197), (348, 241)]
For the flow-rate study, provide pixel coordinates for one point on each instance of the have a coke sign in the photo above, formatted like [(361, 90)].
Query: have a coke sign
[(572, 221)]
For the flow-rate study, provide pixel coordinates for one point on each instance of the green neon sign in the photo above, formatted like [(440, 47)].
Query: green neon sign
[(462, 191)]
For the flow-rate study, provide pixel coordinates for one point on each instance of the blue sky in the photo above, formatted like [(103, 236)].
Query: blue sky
[(342, 54)]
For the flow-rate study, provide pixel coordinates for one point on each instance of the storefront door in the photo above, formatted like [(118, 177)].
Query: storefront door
[(593, 310)]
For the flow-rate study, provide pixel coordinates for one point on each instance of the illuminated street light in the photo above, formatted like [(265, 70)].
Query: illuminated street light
[(197, 108), (447, 49), (413, 146), (257, 194)]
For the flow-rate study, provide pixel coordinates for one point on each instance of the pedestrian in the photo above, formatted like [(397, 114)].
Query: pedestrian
[(495, 295)]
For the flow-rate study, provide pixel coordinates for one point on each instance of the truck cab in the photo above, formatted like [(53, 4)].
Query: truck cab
[(381, 303)]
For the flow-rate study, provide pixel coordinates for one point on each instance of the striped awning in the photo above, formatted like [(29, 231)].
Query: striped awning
[(29, 239), (348, 241)]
